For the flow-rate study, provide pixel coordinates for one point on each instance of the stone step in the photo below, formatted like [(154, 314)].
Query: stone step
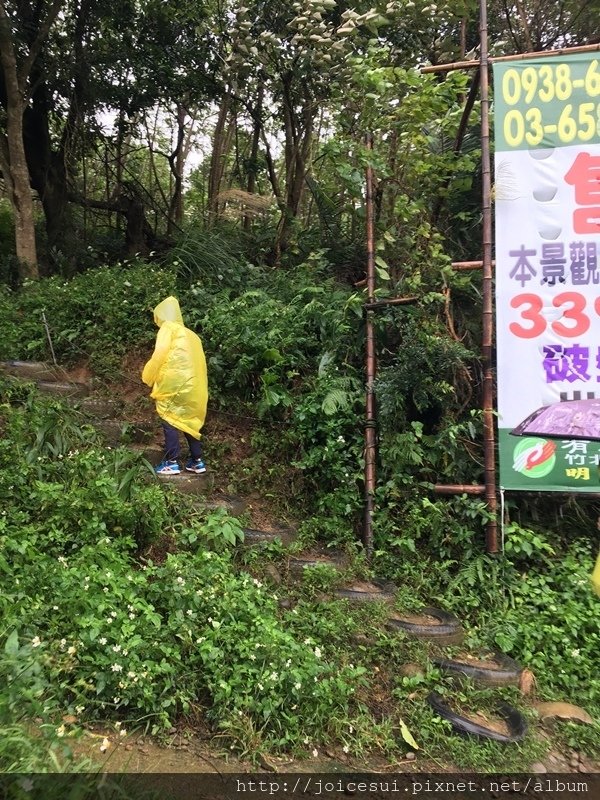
[(188, 483), (151, 452), (32, 371), (254, 537), (234, 505), (117, 432), (298, 563), (63, 388), (103, 408)]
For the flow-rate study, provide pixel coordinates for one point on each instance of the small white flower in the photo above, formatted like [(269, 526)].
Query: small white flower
[(116, 648), (113, 614), (575, 653), (315, 753), (123, 732), (288, 663), (54, 608), (63, 644), (318, 652), (102, 640), (273, 676), (79, 709), (36, 641), (105, 745), (180, 581), (189, 612), (117, 668), (131, 616), (260, 687), (306, 740), (105, 590), (257, 583), (297, 685), (345, 749), (72, 650), (252, 657), (109, 620), (307, 641), (60, 731), (201, 639), (131, 674)]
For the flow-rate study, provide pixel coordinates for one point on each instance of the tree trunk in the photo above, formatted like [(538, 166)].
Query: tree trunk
[(20, 190), (253, 160), (176, 163), (21, 198), (216, 160), (298, 143), (48, 175)]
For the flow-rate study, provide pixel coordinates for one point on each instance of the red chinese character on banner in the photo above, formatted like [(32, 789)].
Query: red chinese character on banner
[(584, 175)]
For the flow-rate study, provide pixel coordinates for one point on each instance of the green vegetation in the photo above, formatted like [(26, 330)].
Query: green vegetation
[(97, 627), (218, 151)]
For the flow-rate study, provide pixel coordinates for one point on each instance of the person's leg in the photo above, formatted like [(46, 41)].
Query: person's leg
[(171, 441), (196, 463)]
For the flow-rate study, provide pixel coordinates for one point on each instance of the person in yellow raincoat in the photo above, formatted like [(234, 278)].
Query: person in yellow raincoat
[(596, 576), (177, 374)]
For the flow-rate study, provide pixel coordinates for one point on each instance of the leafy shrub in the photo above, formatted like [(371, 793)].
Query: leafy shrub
[(96, 316)]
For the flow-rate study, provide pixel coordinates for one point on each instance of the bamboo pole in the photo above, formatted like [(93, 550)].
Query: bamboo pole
[(474, 64), (371, 368), (487, 289), (457, 488), (462, 265), (393, 301)]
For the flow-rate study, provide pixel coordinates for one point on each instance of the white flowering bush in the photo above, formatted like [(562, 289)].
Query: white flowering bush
[(109, 633)]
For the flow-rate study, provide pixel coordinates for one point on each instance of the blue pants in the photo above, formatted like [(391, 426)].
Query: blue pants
[(172, 448)]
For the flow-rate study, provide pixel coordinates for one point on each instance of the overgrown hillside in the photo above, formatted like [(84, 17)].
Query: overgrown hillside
[(129, 603)]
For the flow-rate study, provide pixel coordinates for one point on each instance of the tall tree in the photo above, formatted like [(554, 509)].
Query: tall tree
[(18, 59)]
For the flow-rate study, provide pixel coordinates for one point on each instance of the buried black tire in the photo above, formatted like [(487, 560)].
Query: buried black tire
[(501, 671), (515, 722), (371, 591), (445, 629)]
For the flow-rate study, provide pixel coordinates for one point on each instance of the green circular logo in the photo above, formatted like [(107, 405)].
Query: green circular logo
[(534, 457)]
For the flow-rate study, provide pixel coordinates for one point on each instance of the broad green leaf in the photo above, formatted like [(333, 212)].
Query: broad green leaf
[(407, 735)]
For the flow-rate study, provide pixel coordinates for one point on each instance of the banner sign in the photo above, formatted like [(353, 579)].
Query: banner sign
[(547, 201)]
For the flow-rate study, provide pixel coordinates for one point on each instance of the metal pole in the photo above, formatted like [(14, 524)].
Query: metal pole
[(487, 288), (371, 367), (49, 337)]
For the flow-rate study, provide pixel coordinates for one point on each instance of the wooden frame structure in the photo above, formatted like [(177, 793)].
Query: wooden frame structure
[(489, 489)]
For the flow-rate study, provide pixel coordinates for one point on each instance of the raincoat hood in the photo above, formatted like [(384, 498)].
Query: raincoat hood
[(168, 311)]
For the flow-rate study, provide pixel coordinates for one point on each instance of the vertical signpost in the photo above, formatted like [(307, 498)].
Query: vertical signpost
[(547, 200)]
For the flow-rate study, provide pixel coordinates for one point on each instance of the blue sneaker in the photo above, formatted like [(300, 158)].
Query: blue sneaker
[(167, 468), (195, 465)]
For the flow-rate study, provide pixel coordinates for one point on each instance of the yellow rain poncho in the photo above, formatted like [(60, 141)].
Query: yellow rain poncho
[(596, 577), (177, 371)]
